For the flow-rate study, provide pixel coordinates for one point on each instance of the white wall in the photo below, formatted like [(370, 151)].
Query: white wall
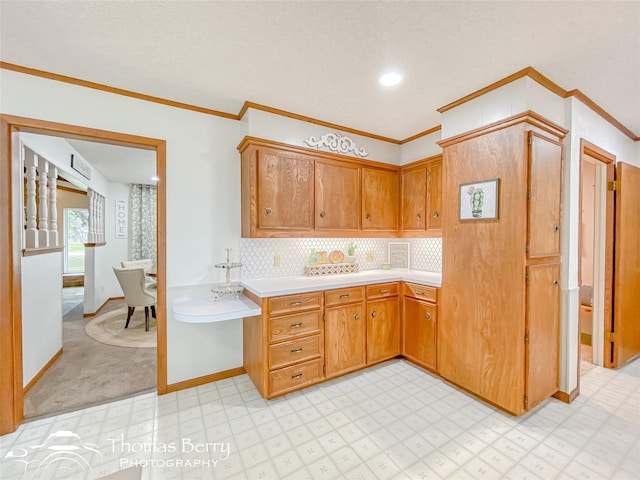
[(511, 99), (41, 311), (203, 193), (288, 130), (100, 281), (420, 148)]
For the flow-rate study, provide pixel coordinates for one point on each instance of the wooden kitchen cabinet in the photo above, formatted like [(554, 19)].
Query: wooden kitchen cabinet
[(498, 323), (295, 192), (284, 347), (380, 195), (345, 327), (421, 203), (383, 329), (420, 320), (337, 195)]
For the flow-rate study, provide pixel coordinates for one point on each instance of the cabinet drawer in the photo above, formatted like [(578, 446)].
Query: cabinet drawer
[(342, 296), (286, 353), (381, 290), (422, 292), (289, 326), (295, 303), (294, 377)]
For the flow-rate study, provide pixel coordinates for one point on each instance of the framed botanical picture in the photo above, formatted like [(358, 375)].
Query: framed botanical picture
[(480, 200)]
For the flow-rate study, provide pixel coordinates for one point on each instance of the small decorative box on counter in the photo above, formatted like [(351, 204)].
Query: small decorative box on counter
[(331, 269)]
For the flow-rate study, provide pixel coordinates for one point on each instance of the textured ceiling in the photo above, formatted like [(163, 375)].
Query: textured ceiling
[(322, 59)]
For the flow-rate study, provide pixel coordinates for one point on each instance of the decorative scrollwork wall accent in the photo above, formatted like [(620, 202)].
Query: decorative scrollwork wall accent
[(337, 143)]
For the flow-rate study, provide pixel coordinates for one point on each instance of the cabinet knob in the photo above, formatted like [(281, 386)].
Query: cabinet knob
[(436, 215), (419, 216), (556, 228), (555, 282), (323, 214), (427, 316), (368, 216), (268, 211), (373, 314), (356, 317)]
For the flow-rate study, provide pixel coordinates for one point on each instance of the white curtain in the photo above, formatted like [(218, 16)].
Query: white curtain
[(142, 222)]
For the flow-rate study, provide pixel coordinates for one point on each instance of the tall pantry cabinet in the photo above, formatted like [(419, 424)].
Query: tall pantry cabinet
[(499, 328)]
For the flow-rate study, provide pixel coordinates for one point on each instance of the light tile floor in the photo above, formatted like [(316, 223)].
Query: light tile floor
[(391, 421)]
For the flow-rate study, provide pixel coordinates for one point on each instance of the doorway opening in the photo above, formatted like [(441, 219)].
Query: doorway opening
[(15, 277), (595, 265)]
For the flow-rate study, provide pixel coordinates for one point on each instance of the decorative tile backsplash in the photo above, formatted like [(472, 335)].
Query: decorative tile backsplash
[(258, 254)]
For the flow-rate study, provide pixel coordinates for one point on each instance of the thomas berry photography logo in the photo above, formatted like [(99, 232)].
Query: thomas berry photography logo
[(63, 453)]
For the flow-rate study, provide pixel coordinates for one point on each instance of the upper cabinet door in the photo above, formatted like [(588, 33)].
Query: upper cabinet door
[(337, 195), (380, 190), (545, 185), (414, 199), (285, 192), (434, 196)]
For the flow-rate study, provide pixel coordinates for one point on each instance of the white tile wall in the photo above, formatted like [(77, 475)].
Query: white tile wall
[(257, 254)]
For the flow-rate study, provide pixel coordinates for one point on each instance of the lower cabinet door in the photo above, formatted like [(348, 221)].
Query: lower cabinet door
[(420, 332), (345, 337), (383, 329)]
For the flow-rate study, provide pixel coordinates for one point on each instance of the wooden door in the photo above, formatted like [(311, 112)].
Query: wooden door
[(285, 192), (379, 199), (345, 337), (434, 196), (420, 332), (383, 330), (544, 195), (542, 333), (626, 289), (337, 195), (414, 199)]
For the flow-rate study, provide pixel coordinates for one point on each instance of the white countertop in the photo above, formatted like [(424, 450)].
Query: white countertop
[(273, 286), (208, 310)]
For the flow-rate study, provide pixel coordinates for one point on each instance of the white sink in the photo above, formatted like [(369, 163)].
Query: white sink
[(205, 310)]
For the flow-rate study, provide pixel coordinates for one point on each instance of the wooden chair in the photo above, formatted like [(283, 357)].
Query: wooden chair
[(136, 292)]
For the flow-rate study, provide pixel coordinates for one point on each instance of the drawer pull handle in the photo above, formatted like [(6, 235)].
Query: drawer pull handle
[(384, 290), (296, 350), (268, 211), (373, 314), (427, 316), (345, 295), (356, 317), (297, 325), (419, 292), (297, 375), (295, 304)]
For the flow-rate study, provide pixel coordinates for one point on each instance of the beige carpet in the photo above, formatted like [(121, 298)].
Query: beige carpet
[(108, 328), (89, 372)]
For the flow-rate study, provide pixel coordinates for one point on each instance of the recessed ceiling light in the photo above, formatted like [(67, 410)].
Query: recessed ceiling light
[(390, 78)]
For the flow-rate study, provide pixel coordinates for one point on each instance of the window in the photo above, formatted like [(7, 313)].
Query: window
[(76, 229)]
